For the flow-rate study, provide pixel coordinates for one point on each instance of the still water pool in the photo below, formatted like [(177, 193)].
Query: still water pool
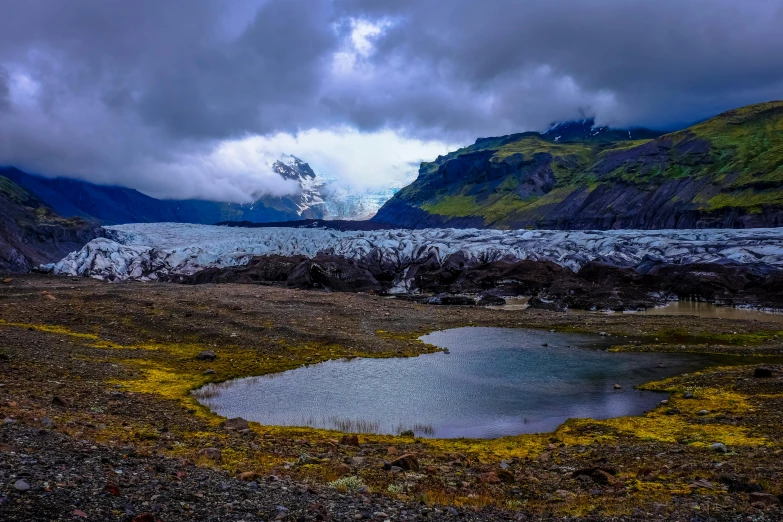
[(494, 382)]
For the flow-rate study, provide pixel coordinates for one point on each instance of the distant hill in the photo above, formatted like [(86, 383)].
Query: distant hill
[(725, 172), (32, 233), (114, 205)]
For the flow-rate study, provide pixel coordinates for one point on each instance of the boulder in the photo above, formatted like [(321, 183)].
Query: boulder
[(236, 424), (408, 462), (599, 474), (762, 372), (489, 477), (764, 498), (451, 300), (206, 355), (491, 300), (350, 440), (211, 453)]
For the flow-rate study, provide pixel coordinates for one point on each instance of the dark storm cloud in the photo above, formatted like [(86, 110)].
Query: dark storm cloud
[(143, 92)]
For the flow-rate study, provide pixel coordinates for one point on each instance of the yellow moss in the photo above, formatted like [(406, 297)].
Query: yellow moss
[(55, 329)]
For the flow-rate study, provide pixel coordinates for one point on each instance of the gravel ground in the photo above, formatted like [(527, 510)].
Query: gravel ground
[(98, 422)]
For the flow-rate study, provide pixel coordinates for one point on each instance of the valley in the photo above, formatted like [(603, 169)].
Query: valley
[(114, 365)]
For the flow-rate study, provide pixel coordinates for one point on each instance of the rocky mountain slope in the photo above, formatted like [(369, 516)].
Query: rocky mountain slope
[(31, 233), (726, 172), (112, 205)]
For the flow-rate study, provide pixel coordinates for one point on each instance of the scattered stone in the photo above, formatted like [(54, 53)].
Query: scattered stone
[(247, 476), (206, 355), (211, 453), (350, 440), (702, 413), (489, 478), (687, 395), (701, 483), (763, 372), (599, 474), (719, 447), (7, 280), (764, 498), (236, 424), (209, 371), (408, 462), (617, 387), (21, 485), (64, 402), (491, 300)]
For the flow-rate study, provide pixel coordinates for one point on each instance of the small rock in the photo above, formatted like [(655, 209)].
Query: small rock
[(209, 371), (211, 453), (702, 413), (206, 355), (7, 280), (62, 401), (617, 387), (350, 440), (602, 334), (247, 476), (764, 498), (687, 395), (236, 424), (763, 373), (563, 493), (21, 485), (489, 478), (408, 462), (719, 447)]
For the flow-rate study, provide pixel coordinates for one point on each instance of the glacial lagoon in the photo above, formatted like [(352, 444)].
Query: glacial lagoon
[(492, 382)]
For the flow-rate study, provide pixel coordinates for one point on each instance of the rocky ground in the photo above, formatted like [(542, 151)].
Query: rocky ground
[(99, 423)]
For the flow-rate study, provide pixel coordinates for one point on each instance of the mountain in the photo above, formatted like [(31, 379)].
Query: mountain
[(31, 233), (726, 172), (114, 205)]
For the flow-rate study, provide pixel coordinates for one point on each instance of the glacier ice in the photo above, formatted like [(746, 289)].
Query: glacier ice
[(148, 251)]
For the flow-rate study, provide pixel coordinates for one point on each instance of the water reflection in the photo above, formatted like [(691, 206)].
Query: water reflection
[(494, 382)]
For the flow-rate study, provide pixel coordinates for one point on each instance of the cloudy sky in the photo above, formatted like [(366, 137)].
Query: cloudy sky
[(194, 98)]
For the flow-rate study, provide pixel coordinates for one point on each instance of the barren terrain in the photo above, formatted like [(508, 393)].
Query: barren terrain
[(99, 422)]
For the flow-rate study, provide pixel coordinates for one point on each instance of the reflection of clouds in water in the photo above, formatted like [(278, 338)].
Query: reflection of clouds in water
[(496, 382)]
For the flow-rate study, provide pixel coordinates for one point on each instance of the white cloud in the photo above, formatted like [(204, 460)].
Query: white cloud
[(362, 161)]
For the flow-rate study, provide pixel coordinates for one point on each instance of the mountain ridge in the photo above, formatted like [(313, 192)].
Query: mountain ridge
[(111, 204), (31, 233), (725, 172)]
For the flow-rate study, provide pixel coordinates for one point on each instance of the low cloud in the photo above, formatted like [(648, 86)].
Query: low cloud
[(171, 97)]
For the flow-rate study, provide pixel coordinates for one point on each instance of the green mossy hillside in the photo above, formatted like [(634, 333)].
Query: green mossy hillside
[(730, 165)]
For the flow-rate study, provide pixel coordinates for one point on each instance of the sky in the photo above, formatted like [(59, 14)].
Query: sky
[(196, 98)]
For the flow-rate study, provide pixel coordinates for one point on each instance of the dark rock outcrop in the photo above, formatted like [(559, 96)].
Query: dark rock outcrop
[(457, 280), (32, 233)]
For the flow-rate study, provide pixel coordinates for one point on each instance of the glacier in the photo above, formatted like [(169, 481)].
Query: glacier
[(149, 251)]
